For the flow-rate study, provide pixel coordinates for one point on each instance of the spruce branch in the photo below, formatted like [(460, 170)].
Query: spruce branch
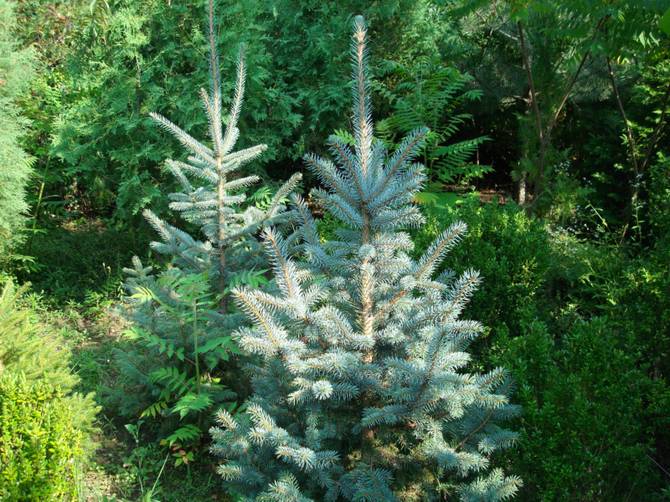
[(185, 139)]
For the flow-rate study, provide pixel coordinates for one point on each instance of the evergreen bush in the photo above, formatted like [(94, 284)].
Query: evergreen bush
[(25, 349), (360, 384), (45, 425), (589, 408), (41, 447)]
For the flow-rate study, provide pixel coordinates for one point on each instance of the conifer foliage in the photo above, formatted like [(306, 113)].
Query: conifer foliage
[(17, 69), (181, 317), (361, 390)]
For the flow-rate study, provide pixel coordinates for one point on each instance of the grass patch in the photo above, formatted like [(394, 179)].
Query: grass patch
[(80, 261)]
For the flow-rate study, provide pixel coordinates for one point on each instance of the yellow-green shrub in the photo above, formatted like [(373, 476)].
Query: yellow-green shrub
[(45, 424), (40, 449)]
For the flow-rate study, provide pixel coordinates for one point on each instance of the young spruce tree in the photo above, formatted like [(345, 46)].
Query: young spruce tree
[(182, 320), (361, 391)]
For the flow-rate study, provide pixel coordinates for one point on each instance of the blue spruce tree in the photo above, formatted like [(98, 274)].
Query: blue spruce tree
[(181, 318), (361, 390)]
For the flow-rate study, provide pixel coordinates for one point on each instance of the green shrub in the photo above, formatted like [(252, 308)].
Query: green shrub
[(40, 448), (583, 328), (45, 424), (585, 430), (26, 347), (510, 250)]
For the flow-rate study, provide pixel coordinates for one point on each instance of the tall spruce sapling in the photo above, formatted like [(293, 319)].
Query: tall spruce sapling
[(361, 391), (181, 316)]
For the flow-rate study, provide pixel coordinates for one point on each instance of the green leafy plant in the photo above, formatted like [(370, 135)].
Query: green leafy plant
[(427, 93), (646, 141), (138, 459), (41, 449), (183, 384)]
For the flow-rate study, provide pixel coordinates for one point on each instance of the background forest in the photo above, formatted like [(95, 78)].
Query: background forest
[(549, 137)]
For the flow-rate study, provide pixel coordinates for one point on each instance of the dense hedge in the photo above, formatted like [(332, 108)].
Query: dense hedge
[(581, 326)]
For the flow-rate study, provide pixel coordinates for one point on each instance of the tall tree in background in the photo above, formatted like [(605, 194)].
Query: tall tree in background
[(361, 391), (585, 38), (548, 63), (17, 68)]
